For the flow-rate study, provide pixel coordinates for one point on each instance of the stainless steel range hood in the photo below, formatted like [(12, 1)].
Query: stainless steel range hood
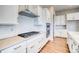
[(28, 13)]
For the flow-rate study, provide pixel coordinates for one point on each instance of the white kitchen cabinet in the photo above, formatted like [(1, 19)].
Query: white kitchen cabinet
[(60, 33), (32, 47), (46, 15), (73, 16), (57, 20), (36, 9), (36, 44), (8, 14), (70, 44), (50, 12), (41, 42), (60, 24), (18, 48), (39, 20), (73, 42), (31, 8), (21, 8), (57, 33), (60, 20)]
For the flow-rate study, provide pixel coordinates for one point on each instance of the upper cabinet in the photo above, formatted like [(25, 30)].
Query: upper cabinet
[(32, 8), (8, 14), (34, 11), (39, 11), (27, 10), (60, 20), (73, 16), (48, 14), (21, 8)]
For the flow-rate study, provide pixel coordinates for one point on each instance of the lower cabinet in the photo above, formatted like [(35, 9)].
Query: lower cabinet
[(73, 45), (19, 48), (36, 45), (33, 45), (60, 33)]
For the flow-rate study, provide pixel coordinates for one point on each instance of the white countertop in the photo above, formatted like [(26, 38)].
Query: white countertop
[(74, 35)]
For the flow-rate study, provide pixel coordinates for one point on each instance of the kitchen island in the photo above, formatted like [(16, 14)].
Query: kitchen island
[(73, 41)]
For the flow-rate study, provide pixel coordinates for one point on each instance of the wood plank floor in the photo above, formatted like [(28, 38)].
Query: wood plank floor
[(59, 45)]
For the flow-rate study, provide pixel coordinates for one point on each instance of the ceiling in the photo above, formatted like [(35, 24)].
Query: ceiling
[(61, 7), (65, 7)]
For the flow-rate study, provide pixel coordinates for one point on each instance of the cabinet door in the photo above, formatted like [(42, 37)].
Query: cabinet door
[(48, 16), (35, 7), (76, 16), (39, 20), (31, 8), (44, 14), (73, 16), (19, 48), (21, 8), (70, 43), (70, 16), (57, 20), (8, 14), (32, 47), (36, 45), (8, 50), (63, 33), (57, 33), (62, 20)]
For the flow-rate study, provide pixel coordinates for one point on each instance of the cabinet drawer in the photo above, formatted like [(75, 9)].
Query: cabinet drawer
[(32, 48), (34, 45), (19, 48)]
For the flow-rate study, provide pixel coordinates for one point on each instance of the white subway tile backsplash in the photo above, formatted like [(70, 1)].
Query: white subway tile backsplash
[(26, 24)]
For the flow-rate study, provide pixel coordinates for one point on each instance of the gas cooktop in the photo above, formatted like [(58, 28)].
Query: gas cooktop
[(25, 35)]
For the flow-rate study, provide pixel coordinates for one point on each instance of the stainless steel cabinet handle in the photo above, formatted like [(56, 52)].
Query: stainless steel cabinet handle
[(17, 47)]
